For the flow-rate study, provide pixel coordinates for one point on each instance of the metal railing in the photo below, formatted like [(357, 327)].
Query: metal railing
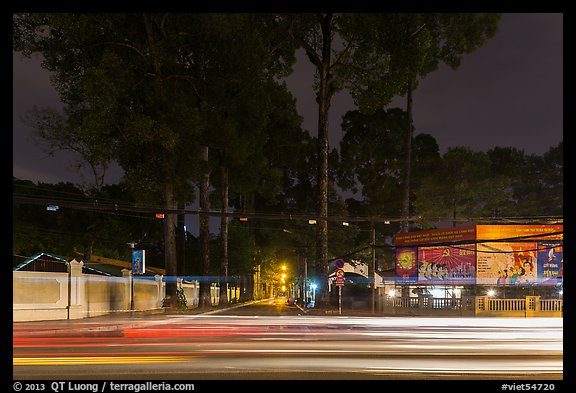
[(477, 305)]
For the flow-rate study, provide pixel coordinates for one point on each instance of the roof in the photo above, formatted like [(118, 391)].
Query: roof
[(44, 262), (101, 262)]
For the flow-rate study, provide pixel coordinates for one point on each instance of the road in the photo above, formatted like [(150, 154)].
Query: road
[(272, 341)]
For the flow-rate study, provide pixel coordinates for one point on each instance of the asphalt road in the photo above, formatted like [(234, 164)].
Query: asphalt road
[(272, 341)]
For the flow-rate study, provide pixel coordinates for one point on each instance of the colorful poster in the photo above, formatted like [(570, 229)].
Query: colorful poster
[(407, 265), (550, 263), (447, 264), (507, 263)]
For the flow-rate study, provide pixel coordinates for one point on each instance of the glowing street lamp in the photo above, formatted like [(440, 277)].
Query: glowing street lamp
[(491, 293), (313, 286), (392, 293)]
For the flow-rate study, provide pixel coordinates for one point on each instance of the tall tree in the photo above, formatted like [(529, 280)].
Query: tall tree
[(368, 55), (461, 190), (536, 181), (315, 33), (251, 58), (129, 62), (416, 44)]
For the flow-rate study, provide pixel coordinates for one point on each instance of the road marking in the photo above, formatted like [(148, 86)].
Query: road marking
[(87, 360)]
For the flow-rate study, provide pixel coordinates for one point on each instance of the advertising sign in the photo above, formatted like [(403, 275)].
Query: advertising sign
[(447, 264), (138, 261)]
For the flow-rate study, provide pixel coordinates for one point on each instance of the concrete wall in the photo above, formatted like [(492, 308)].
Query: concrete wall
[(48, 296), (40, 296)]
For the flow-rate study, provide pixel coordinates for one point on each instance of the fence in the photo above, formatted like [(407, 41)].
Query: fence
[(74, 295), (531, 306)]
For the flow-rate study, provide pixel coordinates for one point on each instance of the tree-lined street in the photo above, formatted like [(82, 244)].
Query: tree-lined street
[(270, 340)]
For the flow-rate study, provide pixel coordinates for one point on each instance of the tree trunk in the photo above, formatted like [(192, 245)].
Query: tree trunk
[(372, 268), (409, 131), (224, 237), (243, 289), (170, 248), (181, 241), (205, 283), (324, 96), (250, 286)]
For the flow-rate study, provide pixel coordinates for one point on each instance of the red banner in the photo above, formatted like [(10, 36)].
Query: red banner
[(435, 236)]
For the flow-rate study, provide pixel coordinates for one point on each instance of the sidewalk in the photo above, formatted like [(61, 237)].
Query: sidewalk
[(110, 323)]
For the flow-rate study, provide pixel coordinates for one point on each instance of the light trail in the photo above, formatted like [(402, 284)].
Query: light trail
[(367, 346)]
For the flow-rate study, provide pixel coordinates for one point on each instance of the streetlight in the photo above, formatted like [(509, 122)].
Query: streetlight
[(132, 307), (491, 293), (313, 286)]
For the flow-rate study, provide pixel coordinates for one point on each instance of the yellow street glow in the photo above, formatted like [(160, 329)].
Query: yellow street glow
[(86, 360)]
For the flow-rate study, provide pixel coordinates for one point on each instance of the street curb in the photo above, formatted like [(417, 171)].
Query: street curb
[(114, 327)]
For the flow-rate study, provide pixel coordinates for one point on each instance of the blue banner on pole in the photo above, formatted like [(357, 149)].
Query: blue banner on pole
[(138, 261)]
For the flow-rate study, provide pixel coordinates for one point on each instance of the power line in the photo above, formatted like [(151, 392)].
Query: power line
[(96, 205)]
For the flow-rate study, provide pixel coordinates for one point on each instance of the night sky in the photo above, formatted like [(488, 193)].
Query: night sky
[(507, 93)]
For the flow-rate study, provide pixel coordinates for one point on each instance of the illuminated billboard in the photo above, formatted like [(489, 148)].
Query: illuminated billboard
[(507, 263), (447, 264), (550, 263), (407, 265), (481, 254), (435, 236)]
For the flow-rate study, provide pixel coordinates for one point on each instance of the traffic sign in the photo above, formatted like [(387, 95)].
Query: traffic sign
[(339, 273), (339, 263), (339, 281)]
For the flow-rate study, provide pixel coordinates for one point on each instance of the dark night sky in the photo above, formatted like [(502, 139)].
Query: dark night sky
[(507, 93)]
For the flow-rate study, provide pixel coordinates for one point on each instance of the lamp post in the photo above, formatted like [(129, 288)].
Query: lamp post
[(131, 244), (313, 286)]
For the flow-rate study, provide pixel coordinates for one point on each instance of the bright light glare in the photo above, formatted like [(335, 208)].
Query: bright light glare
[(392, 293), (491, 293), (313, 286)]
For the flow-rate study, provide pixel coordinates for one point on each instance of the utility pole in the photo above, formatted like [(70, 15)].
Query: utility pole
[(132, 244), (305, 280), (373, 274)]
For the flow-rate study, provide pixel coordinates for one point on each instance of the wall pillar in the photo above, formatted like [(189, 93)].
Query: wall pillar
[(159, 290), (481, 304), (127, 275), (532, 306), (76, 290)]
